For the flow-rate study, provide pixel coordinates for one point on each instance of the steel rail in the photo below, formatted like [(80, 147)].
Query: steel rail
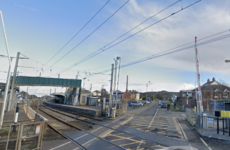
[(119, 130), (84, 131)]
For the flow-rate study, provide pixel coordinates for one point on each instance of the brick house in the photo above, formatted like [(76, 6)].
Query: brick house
[(211, 90), (131, 95)]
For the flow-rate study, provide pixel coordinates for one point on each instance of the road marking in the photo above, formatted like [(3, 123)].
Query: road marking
[(148, 128), (184, 135), (183, 115), (205, 143), (60, 145), (94, 131), (182, 131)]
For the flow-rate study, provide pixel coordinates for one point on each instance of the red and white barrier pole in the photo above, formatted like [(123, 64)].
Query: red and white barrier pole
[(200, 101)]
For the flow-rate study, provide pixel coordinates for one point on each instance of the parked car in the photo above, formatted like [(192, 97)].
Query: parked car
[(160, 103), (136, 104), (163, 105), (145, 102)]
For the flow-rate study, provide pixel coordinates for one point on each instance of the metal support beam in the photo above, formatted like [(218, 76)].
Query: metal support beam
[(14, 77), (8, 76)]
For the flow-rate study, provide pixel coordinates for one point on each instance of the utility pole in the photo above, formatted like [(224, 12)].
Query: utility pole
[(14, 76), (8, 75), (127, 86), (111, 88), (200, 101), (115, 76), (146, 91), (90, 95), (118, 58), (26, 104)]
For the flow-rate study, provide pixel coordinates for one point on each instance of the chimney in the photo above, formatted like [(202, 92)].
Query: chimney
[(213, 79), (208, 80)]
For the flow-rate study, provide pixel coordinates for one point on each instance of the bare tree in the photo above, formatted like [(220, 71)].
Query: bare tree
[(223, 82)]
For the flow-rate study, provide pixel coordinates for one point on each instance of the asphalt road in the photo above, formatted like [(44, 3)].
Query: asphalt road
[(149, 127)]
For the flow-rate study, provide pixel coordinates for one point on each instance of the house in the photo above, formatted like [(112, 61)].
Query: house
[(119, 94), (83, 97), (213, 90), (131, 95), (96, 93)]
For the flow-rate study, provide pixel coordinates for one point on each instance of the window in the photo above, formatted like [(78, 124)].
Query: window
[(83, 99)]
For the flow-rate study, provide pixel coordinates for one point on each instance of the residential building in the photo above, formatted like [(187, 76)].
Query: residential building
[(131, 95), (96, 93)]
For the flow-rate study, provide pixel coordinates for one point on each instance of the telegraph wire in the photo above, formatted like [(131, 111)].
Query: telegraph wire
[(78, 31), (167, 53), (101, 49), (90, 34), (104, 49)]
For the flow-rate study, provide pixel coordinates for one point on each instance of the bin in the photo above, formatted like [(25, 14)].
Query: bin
[(223, 114)]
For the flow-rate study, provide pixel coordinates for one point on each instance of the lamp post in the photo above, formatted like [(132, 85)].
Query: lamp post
[(227, 61), (146, 89)]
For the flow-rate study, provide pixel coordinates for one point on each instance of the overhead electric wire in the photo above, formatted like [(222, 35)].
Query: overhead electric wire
[(102, 50), (79, 31), (128, 31), (90, 33), (171, 52)]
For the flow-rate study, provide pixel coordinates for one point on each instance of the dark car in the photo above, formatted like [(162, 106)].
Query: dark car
[(163, 105)]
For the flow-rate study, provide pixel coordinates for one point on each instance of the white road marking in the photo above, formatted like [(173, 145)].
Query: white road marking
[(205, 143), (184, 135), (182, 131), (60, 145), (148, 128), (183, 115)]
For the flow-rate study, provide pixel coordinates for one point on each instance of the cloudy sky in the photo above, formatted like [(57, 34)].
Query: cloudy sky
[(39, 29)]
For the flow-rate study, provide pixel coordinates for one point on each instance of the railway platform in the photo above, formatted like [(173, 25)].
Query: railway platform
[(83, 110)]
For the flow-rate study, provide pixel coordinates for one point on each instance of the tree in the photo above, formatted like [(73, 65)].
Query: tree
[(224, 83), (159, 96)]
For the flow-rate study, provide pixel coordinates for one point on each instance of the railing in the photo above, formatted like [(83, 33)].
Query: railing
[(215, 127), (22, 136), (191, 116)]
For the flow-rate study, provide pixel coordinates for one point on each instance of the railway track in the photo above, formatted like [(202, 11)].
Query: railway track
[(63, 118), (111, 129)]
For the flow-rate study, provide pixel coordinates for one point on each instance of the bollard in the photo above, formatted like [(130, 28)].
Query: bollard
[(217, 125), (223, 125)]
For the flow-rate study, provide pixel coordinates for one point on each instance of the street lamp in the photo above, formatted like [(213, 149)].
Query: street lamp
[(227, 61), (146, 90)]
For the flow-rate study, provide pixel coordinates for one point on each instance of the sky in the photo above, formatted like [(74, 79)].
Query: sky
[(38, 29)]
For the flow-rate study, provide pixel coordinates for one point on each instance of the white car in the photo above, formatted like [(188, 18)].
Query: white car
[(136, 104)]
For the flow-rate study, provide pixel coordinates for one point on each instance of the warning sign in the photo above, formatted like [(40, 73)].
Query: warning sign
[(37, 129)]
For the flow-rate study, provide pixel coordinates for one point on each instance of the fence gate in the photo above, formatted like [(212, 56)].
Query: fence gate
[(23, 136)]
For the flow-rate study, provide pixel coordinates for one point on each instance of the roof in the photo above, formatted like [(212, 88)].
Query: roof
[(85, 91), (214, 86)]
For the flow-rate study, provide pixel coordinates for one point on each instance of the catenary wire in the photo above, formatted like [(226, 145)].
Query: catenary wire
[(102, 50), (78, 31), (89, 34), (89, 56), (171, 52)]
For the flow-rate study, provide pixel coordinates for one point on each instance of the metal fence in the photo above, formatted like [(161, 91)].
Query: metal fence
[(208, 125), (22, 136), (191, 116)]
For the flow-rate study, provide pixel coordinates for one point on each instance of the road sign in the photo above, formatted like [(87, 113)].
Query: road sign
[(210, 120), (37, 129)]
